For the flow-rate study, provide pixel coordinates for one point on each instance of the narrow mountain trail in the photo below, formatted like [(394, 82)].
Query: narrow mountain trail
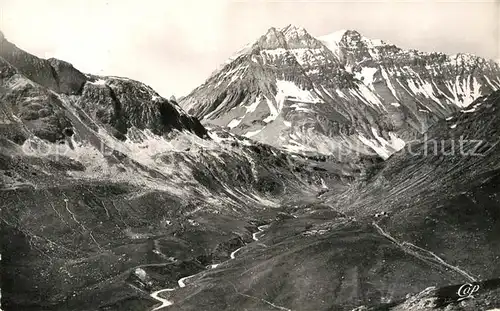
[(261, 299), (428, 256), (164, 302), (181, 282)]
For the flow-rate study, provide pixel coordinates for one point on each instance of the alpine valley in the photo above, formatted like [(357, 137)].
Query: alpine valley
[(339, 94), (307, 173)]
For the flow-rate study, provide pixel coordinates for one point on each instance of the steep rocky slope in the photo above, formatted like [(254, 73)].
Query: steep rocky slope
[(442, 191), (38, 94), (339, 94), (442, 195)]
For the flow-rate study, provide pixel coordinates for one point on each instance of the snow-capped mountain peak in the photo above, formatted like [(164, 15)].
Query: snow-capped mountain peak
[(347, 39), (292, 31), (342, 91), (332, 40), (287, 37), (111, 193)]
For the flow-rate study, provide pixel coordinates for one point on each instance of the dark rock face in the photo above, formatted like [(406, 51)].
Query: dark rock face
[(69, 79), (308, 94), (33, 84), (124, 103), (54, 74), (27, 106)]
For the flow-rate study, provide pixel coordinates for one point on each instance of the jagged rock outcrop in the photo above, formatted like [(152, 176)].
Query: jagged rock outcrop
[(121, 103), (69, 79), (28, 107), (56, 75)]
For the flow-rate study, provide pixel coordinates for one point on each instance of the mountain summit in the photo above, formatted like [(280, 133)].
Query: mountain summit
[(288, 37), (340, 94)]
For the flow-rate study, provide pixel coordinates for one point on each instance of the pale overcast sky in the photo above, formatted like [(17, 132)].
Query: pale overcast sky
[(174, 45)]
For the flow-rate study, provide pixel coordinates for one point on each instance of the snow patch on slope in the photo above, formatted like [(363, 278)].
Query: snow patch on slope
[(385, 75), (253, 106), (382, 146), (424, 88), (252, 133), (293, 92), (366, 95), (234, 123), (273, 53), (300, 107), (272, 110), (332, 41), (494, 85), (366, 75), (98, 82), (464, 92)]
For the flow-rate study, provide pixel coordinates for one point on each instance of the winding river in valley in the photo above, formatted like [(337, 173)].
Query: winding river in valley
[(181, 282)]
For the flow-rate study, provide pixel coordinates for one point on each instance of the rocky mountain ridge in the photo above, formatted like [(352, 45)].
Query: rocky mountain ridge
[(117, 103), (340, 94)]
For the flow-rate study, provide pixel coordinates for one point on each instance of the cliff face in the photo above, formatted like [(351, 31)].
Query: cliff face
[(54, 74), (340, 94), (110, 192), (41, 93)]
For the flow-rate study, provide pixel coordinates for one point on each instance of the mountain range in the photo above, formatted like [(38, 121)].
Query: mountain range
[(329, 173), (341, 94)]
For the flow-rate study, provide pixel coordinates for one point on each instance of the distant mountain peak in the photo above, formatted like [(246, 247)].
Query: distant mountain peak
[(334, 36), (318, 94), (292, 30), (350, 39), (288, 37)]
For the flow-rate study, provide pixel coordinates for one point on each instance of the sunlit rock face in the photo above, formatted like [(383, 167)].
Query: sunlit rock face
[(341, 94)]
